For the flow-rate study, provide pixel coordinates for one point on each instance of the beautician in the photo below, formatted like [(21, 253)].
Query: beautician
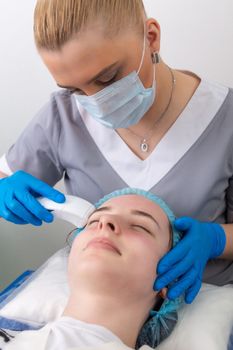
[(125, 118)]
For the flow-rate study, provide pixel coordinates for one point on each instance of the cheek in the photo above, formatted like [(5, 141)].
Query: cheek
[(146, 251), (143, 247), (147, 242), (76, 249), (142, 263)]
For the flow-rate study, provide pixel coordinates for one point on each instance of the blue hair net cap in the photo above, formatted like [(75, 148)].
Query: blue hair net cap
[(160, 323)]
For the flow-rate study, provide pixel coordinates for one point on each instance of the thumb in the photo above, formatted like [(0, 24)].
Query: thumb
[(184, 223)]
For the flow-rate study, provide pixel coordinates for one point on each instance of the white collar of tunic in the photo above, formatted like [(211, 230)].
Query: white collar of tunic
[(189, 126)]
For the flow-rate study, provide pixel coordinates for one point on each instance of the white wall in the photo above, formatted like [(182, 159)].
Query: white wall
[(196, 35), (25, 85)]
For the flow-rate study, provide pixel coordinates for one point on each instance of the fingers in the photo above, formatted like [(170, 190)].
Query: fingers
[(182, 266), (18, 210), (192, 292), (33, 206), (175, 272), (9, 216), (184, 223), (184, 283), (45, 190), (172, 257), (18, 203)]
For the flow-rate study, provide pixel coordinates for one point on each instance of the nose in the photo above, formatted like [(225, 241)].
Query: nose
[(109, 223)]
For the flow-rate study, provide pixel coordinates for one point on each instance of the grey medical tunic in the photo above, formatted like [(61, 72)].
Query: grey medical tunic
[(191, 168)]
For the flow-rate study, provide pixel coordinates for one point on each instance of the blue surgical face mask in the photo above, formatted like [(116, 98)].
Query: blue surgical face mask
[(122, 103)]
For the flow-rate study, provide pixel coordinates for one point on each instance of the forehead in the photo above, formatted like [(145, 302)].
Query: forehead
[(126, 203), (88, 53)]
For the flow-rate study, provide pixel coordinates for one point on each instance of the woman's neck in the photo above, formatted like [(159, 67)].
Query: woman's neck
[(124, 318)]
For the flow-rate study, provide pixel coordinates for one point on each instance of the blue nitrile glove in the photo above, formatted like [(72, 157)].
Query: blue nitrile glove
[(185, 263), (17, 199)]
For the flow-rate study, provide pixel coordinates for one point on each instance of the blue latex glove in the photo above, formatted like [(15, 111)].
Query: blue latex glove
[(17, 199), (185, 263)]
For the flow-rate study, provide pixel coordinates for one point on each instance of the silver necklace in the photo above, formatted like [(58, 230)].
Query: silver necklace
[(144, 146)]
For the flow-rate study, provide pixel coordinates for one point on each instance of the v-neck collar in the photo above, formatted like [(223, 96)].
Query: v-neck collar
[(191, 123)]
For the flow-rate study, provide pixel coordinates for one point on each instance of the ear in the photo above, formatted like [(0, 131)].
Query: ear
[(163, 293), (153, 34)]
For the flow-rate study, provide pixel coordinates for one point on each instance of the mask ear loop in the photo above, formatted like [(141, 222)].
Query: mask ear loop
[(143, 51), (155, 56)]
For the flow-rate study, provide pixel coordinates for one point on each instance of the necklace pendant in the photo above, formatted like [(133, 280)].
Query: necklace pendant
[(144, 146)]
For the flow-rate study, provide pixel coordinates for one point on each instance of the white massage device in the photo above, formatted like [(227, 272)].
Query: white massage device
[(75, 210)]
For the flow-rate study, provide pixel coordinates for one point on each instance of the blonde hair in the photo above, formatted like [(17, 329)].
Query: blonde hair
[(58, 21)]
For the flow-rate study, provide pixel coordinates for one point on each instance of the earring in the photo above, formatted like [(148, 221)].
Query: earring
[(155, 57)]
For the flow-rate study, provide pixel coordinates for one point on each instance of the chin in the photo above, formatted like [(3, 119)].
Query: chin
[(97, 272)]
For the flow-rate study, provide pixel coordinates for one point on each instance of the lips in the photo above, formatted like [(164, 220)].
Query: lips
[(104, 241)]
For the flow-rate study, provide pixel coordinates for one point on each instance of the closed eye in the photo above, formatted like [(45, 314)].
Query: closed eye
[(142, 228), (92, 222), (107, 82), (76, 91), (98, 82)]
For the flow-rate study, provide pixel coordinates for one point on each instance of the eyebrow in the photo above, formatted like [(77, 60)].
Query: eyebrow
[(100, 209), (147, 215), (102, 72), (135, 212)]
